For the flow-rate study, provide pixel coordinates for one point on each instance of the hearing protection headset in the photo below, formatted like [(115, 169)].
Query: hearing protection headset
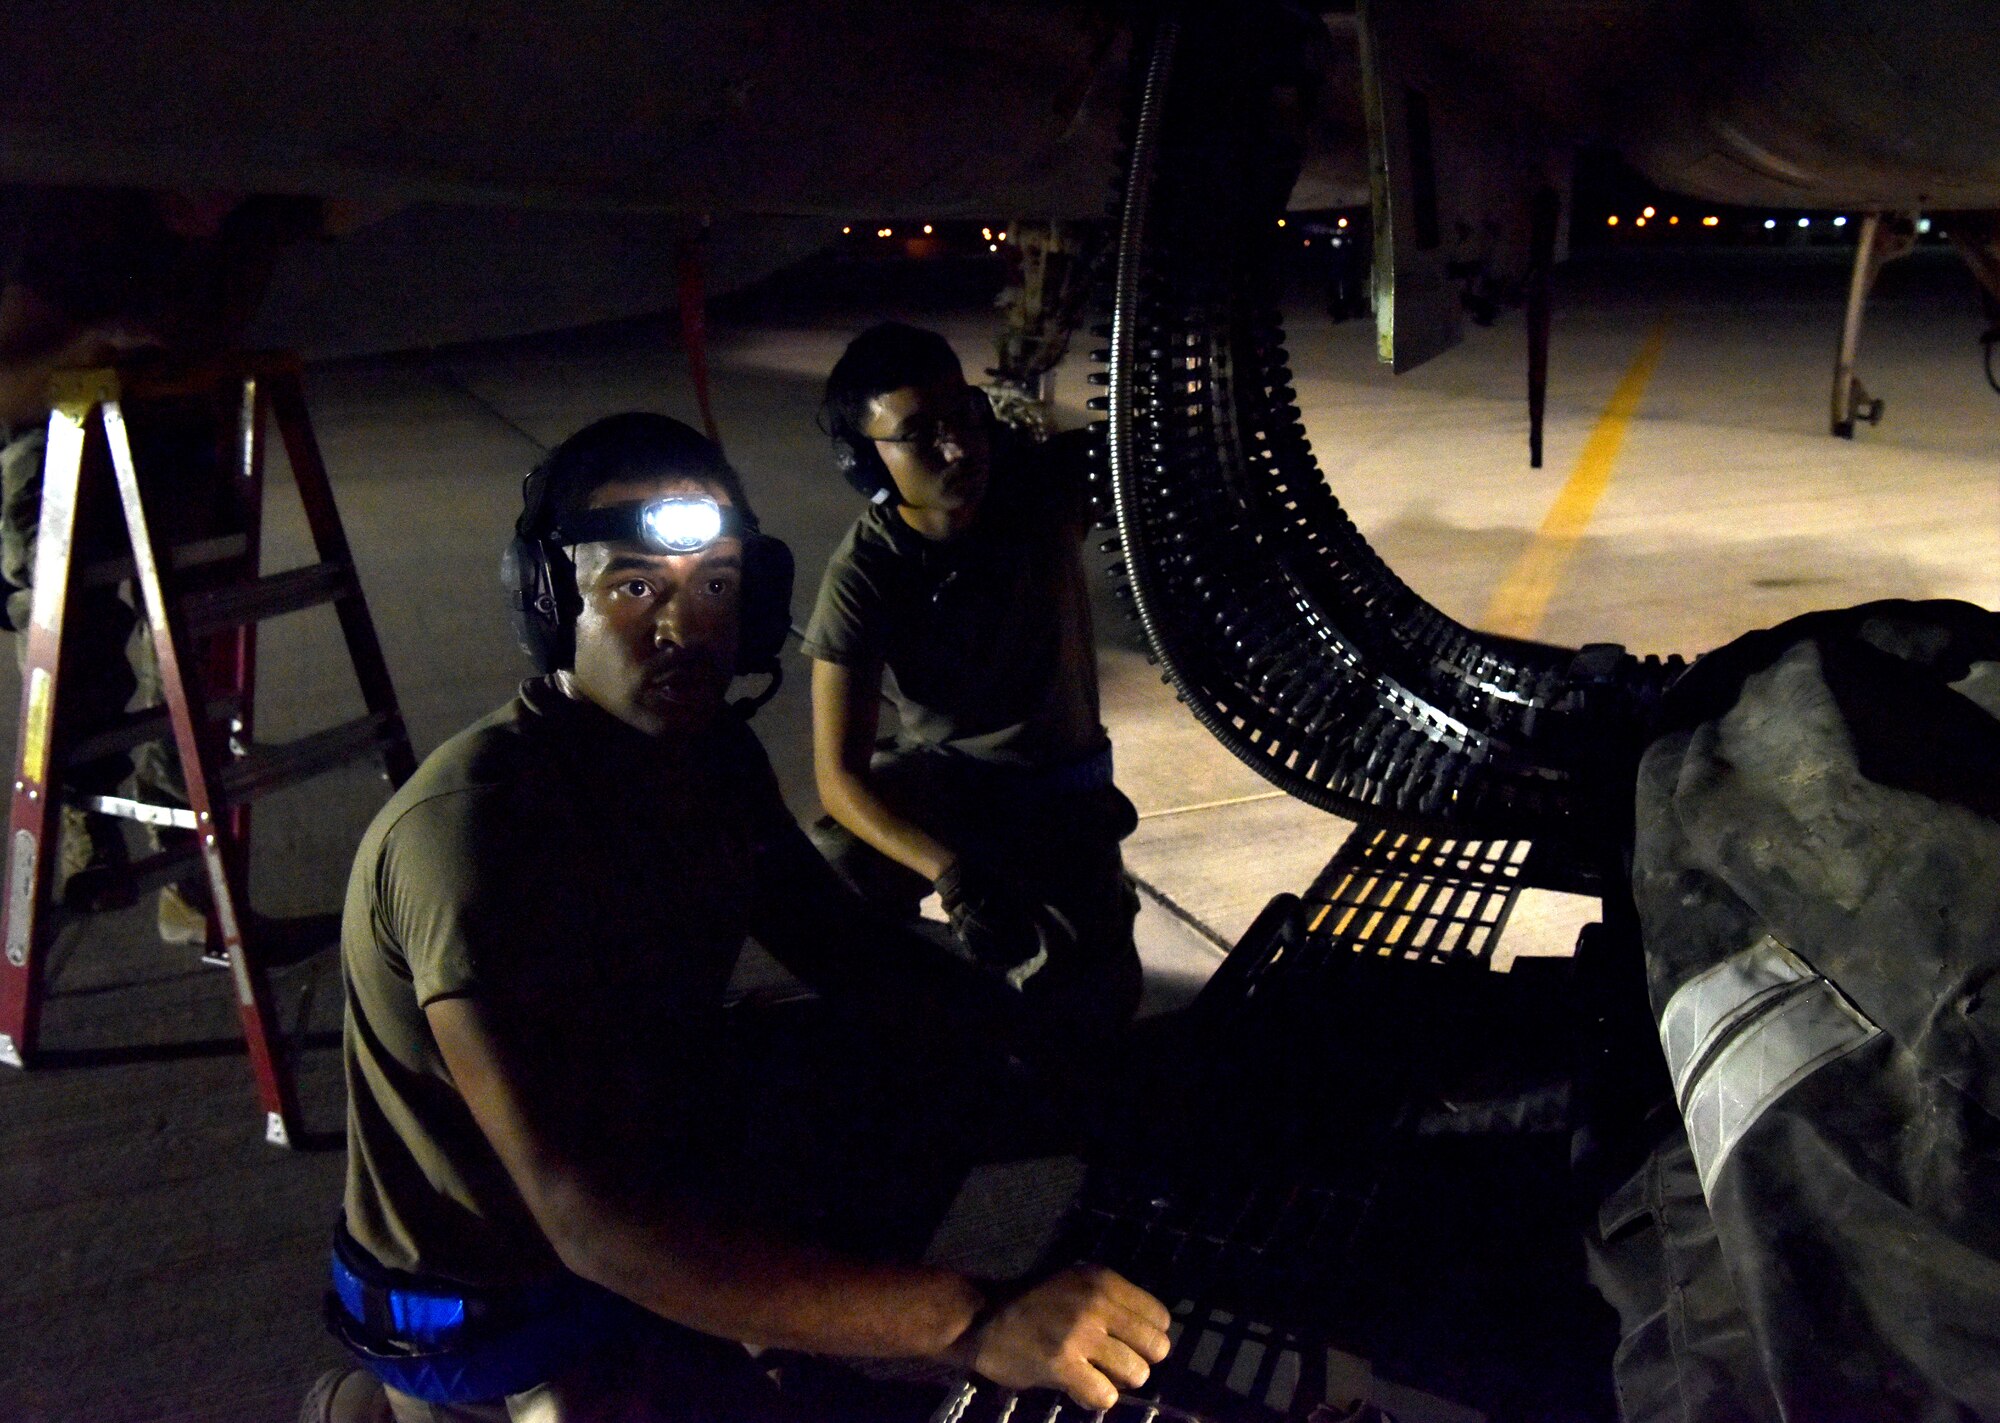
[(858, 461), (541, 586)]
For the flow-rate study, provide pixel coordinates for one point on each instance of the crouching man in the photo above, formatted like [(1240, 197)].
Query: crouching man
[(547, 1208), (960, 596)]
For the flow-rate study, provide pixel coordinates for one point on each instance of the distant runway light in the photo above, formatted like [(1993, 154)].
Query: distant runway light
[(1341, 223), (1003, 237), (1309, 242), (1647, 213), (1281, 222), (1710, 221), (1673, 222), (845, 230), (987, 233), (1840, 222), (1805, 222), (1611, 221), (1769, 223), (927, 229), (1640, 223), (992, 247), (1923, 224)]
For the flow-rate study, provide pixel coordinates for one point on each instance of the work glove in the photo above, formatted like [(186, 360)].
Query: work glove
[(1000, 927)]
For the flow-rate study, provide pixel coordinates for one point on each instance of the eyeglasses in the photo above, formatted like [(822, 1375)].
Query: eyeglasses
[(925, 431)]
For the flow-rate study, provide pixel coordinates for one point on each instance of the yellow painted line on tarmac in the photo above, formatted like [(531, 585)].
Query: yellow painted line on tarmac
[(1522, 599), (1209, 805)]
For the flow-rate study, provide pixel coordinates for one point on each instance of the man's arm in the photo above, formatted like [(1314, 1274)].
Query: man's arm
[(883, 971), (847, 710), (1085, 1331)]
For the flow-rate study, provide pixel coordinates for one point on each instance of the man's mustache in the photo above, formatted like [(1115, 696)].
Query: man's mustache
[(679, 664)]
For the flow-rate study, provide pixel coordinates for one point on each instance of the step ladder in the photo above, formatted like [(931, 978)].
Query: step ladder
[(202, 602)]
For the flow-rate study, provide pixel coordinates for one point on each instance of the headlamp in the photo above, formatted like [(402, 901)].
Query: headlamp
[(677, 523), (681, 524)]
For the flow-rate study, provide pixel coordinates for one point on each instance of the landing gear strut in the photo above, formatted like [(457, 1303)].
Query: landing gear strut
[(1884, 237)]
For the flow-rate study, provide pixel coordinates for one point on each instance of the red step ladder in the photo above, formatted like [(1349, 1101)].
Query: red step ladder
[(202, 601)]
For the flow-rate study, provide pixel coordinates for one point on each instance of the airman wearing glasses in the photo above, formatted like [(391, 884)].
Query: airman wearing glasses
[(960, 597)]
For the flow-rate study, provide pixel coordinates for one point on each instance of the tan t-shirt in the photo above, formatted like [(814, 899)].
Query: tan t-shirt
[(592, 891), (985, 639)]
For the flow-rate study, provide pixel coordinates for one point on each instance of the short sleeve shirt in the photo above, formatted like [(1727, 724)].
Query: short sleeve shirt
[(985, 639), (592, 890)]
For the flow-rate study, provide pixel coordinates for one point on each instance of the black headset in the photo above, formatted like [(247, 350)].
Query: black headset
[(858, 461), (543, 601)]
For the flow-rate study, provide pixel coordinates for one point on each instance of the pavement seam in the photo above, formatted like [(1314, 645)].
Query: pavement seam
[(1166, 902)]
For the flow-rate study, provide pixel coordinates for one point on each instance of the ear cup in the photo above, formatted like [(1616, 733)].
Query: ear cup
[(766, 617), (541, 601), (541, 585), (860, 464)]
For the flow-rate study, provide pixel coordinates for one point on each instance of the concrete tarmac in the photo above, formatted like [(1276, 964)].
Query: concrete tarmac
[(158, 1262)]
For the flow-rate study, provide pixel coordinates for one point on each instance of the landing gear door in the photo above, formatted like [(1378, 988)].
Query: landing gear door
[(1454, 168)]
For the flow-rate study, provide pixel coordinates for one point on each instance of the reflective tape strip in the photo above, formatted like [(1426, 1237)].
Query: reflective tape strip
[(1743, 1034), (1706, 1008)]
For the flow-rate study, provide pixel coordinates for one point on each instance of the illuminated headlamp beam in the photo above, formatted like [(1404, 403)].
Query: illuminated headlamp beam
[(677, 524), (682, 524)]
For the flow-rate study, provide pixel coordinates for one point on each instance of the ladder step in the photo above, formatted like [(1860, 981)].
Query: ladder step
[(215, 609), (196, 554), (268, 768), (163, 867), (136, 729), (167, 817)]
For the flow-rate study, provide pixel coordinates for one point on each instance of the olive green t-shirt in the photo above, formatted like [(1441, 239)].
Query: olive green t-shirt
[(985, 639), (591, 888)]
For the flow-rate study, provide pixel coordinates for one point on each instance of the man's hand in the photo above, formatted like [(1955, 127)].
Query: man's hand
[(999, 925), (1088, 1331)]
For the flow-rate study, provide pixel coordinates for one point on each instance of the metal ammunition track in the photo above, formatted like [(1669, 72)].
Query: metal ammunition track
[(1285, 633)]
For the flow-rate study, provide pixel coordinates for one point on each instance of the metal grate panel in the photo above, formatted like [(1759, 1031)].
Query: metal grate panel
[(1402, 895)]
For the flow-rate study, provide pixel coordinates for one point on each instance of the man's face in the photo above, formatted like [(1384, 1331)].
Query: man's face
[(933, 438), (656, 640)]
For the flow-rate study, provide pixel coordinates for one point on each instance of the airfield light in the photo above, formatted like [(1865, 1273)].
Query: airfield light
[(1341, 223), (1673, 222), (1769, 223), (1805, 222), (992, 247), (1003, 236), (1648, 212), (1611, 221), (1309, 242), (1640, 223), (845, 231), (1710, 221), (1923, 224), (1281, 222), (1840, 222), (927, 229), (987, 233)]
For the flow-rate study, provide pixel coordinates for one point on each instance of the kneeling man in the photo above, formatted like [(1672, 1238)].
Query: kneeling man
[(538, 934)]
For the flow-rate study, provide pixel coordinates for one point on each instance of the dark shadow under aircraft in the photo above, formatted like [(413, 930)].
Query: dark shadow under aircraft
[(494, 169)]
